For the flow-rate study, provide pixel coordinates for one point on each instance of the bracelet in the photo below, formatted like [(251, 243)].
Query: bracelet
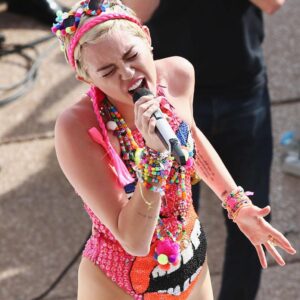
[(152, 168), (149, 204), (235, 201), (234, 215)]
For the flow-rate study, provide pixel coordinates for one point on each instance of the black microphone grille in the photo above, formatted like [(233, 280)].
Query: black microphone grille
[(140, 92)]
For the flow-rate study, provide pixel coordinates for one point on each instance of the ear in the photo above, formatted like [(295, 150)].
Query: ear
[(147, 32)]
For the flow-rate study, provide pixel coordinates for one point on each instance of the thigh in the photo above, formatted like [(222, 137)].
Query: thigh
[(203, 288), (93, 284)]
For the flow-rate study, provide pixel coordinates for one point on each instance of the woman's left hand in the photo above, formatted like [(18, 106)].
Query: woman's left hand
[(251, 222)]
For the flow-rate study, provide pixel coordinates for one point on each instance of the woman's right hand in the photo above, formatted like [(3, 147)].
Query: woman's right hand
[(145, 122), (251, 222)]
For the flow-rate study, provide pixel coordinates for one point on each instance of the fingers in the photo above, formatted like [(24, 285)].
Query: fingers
[(271, 249), (261, 256), (143, 113), (263, 212), (152, 124), (281, 241)]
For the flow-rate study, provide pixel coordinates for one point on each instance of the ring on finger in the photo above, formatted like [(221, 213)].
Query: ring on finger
[(271, 241)]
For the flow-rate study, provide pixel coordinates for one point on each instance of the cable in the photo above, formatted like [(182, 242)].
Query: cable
[(15, 48), (27, 82), (64, 271)]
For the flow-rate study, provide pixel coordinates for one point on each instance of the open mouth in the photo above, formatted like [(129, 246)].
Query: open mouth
[(178, 278), (139, 84)]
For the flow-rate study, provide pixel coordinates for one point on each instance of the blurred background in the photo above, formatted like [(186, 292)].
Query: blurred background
[(42, 222)]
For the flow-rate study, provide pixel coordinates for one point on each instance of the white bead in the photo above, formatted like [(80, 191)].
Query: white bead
[(111, 125)]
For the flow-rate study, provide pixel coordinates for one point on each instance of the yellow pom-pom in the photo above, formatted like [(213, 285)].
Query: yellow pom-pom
[(162, 259), (137, 157)]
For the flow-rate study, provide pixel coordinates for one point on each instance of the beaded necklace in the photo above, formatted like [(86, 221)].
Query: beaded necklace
[(167, 250)]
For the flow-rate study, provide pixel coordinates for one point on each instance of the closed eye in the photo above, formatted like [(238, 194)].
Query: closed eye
[(109, 73), (132, 56)]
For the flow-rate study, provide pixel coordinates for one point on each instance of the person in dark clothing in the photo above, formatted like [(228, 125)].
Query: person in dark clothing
[(223, 40), (42, 10)]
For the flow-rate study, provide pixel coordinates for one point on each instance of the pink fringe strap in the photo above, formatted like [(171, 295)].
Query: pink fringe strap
[(118, 165)]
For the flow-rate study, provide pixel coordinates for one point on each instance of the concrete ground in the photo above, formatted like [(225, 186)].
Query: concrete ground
[(42, 223)]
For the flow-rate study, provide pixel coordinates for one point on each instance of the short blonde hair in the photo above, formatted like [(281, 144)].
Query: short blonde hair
[(98, 31)]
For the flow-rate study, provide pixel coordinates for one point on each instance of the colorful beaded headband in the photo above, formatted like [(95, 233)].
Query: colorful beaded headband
[(68, 22)]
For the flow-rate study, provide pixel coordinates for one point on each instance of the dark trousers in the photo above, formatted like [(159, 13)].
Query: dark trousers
[(239, 128)]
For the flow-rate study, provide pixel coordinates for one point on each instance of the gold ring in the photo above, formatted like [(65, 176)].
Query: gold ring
[(271, 241)]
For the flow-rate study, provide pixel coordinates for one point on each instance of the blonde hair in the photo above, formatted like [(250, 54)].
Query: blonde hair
[(97, 32)]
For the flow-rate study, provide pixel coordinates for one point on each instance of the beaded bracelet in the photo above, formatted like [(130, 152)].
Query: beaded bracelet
[(152, 168), (235, 201)]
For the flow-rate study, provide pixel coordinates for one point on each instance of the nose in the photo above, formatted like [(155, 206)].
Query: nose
[(126, 72)]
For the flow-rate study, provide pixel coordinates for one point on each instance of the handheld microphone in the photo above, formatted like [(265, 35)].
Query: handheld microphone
[(163, 129)]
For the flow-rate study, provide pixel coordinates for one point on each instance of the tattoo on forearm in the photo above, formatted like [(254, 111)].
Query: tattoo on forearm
[(225, 193), (205, 167), (146, 216)]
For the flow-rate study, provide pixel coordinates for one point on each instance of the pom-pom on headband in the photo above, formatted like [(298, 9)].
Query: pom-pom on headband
[(68, 22)]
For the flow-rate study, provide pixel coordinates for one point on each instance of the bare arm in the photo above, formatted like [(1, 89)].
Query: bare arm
[(250, 219), (85, 164), (143, 8), (208, 163), (210, 166), (268, 6)]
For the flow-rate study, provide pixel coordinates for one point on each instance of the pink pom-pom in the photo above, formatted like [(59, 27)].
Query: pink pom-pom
[(54, 29), (189, 162), (231, 202), (168, 248)]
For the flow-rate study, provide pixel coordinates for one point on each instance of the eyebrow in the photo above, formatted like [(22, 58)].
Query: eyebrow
[(110, 65)]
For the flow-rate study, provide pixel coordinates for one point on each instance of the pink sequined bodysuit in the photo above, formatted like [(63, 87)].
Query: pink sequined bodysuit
[(141, 277)]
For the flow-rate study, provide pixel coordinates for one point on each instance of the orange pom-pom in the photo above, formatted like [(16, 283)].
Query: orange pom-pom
[(165, 267)]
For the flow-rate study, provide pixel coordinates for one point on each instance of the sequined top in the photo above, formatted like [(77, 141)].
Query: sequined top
[(141, 277)]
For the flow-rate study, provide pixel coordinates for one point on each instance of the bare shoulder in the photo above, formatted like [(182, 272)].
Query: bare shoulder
[(72, 140), (79, 115), (179, 75)]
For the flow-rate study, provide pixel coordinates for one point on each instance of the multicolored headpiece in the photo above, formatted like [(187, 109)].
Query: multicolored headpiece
[(67, 22)]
